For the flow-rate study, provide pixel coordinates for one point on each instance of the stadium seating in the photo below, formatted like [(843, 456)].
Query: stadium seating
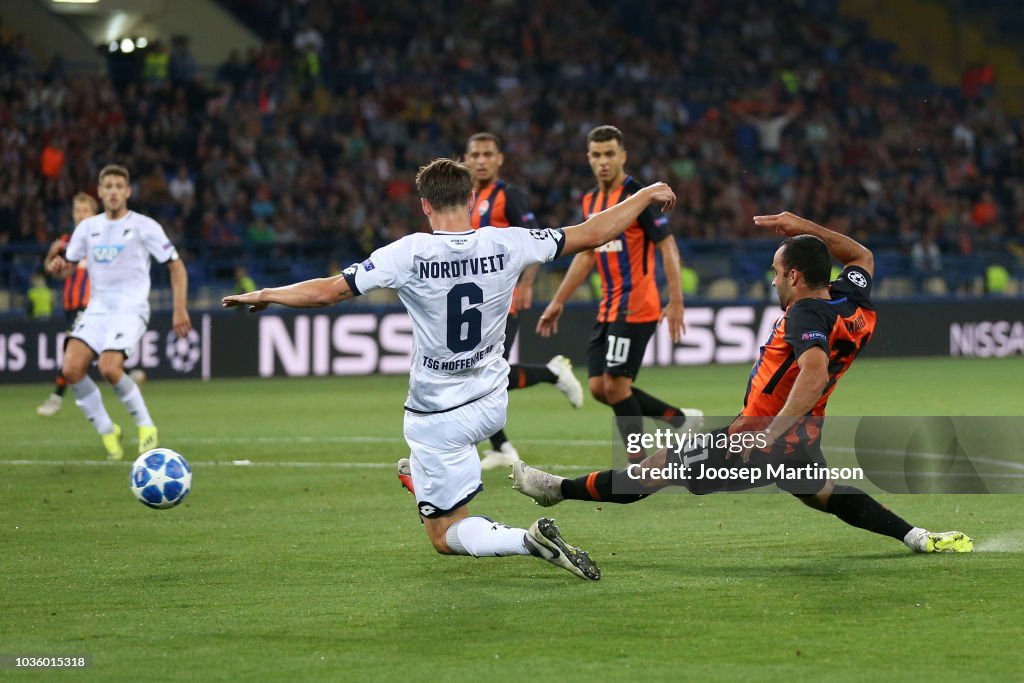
[(321, 130)]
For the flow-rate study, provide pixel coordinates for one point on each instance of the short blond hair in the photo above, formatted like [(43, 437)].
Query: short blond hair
[(115, 169), (83, 198)]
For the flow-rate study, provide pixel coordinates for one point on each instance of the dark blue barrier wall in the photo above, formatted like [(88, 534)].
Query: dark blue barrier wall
[(366, 341)]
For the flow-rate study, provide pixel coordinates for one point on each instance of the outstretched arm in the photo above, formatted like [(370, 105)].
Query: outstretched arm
[(847, 251), (605, 226), (316, 293), (578, 271)]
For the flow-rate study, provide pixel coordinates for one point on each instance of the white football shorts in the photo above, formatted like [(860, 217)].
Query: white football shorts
[(443, 458), (109, 331)]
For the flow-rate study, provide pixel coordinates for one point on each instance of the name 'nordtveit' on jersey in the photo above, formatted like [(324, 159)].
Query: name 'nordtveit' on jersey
[(480, 265)]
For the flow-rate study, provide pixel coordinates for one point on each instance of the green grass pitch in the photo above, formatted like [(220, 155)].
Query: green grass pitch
[(310, 563)]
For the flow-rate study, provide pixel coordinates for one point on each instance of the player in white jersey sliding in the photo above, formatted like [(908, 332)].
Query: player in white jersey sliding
[(457, 285), (118, 244)]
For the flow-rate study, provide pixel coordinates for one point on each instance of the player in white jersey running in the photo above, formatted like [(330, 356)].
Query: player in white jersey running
[(457, 285), (118, 245)]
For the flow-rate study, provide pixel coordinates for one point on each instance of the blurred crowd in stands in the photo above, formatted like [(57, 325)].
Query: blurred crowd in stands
[(744, 107)]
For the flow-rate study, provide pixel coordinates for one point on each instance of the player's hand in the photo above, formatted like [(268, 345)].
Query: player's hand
[(675, 316), (250, 299), (662, 193), (785, 223), (59, 266), (182, 323), (548, 323), (762, 441), (745, 453), (523, 299)]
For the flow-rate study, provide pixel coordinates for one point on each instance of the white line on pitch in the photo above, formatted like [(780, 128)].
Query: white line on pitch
[(214, 440), (241, 463)]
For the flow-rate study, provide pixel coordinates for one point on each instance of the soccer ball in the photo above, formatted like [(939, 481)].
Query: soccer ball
[(138, 376), (161, 478)]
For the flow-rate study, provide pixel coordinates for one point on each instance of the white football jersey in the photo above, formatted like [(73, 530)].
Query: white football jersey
[(457, 288), (117, 254)]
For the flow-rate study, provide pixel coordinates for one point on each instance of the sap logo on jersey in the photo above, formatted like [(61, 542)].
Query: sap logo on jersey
[(105, 253)]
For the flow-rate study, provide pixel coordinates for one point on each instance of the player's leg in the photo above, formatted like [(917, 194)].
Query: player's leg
[(652, 406), (123, 333), (857, 508), (639, 480), (631, 345), (522, 376), (611, 389), (608, 486), (597, 347), (851, 504), (78, 356), (624, 354), (618, 390), (445, 472), (446, 476), (458, 533), (55, 401), (557, 371)]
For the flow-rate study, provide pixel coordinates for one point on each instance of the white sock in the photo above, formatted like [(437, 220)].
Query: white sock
[(89, 399), (481, 537), (128, 391)]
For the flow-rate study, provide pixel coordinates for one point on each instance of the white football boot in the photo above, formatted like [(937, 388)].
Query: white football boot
[(567, 383), (506, 456)]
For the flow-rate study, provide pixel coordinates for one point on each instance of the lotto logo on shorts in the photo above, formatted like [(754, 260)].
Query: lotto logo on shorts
[(426, 509)]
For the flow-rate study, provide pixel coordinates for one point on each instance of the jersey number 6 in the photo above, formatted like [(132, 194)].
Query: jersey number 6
[(464, 321)]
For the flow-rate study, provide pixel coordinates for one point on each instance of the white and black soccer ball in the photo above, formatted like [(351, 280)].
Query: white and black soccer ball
[(161, 478)]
